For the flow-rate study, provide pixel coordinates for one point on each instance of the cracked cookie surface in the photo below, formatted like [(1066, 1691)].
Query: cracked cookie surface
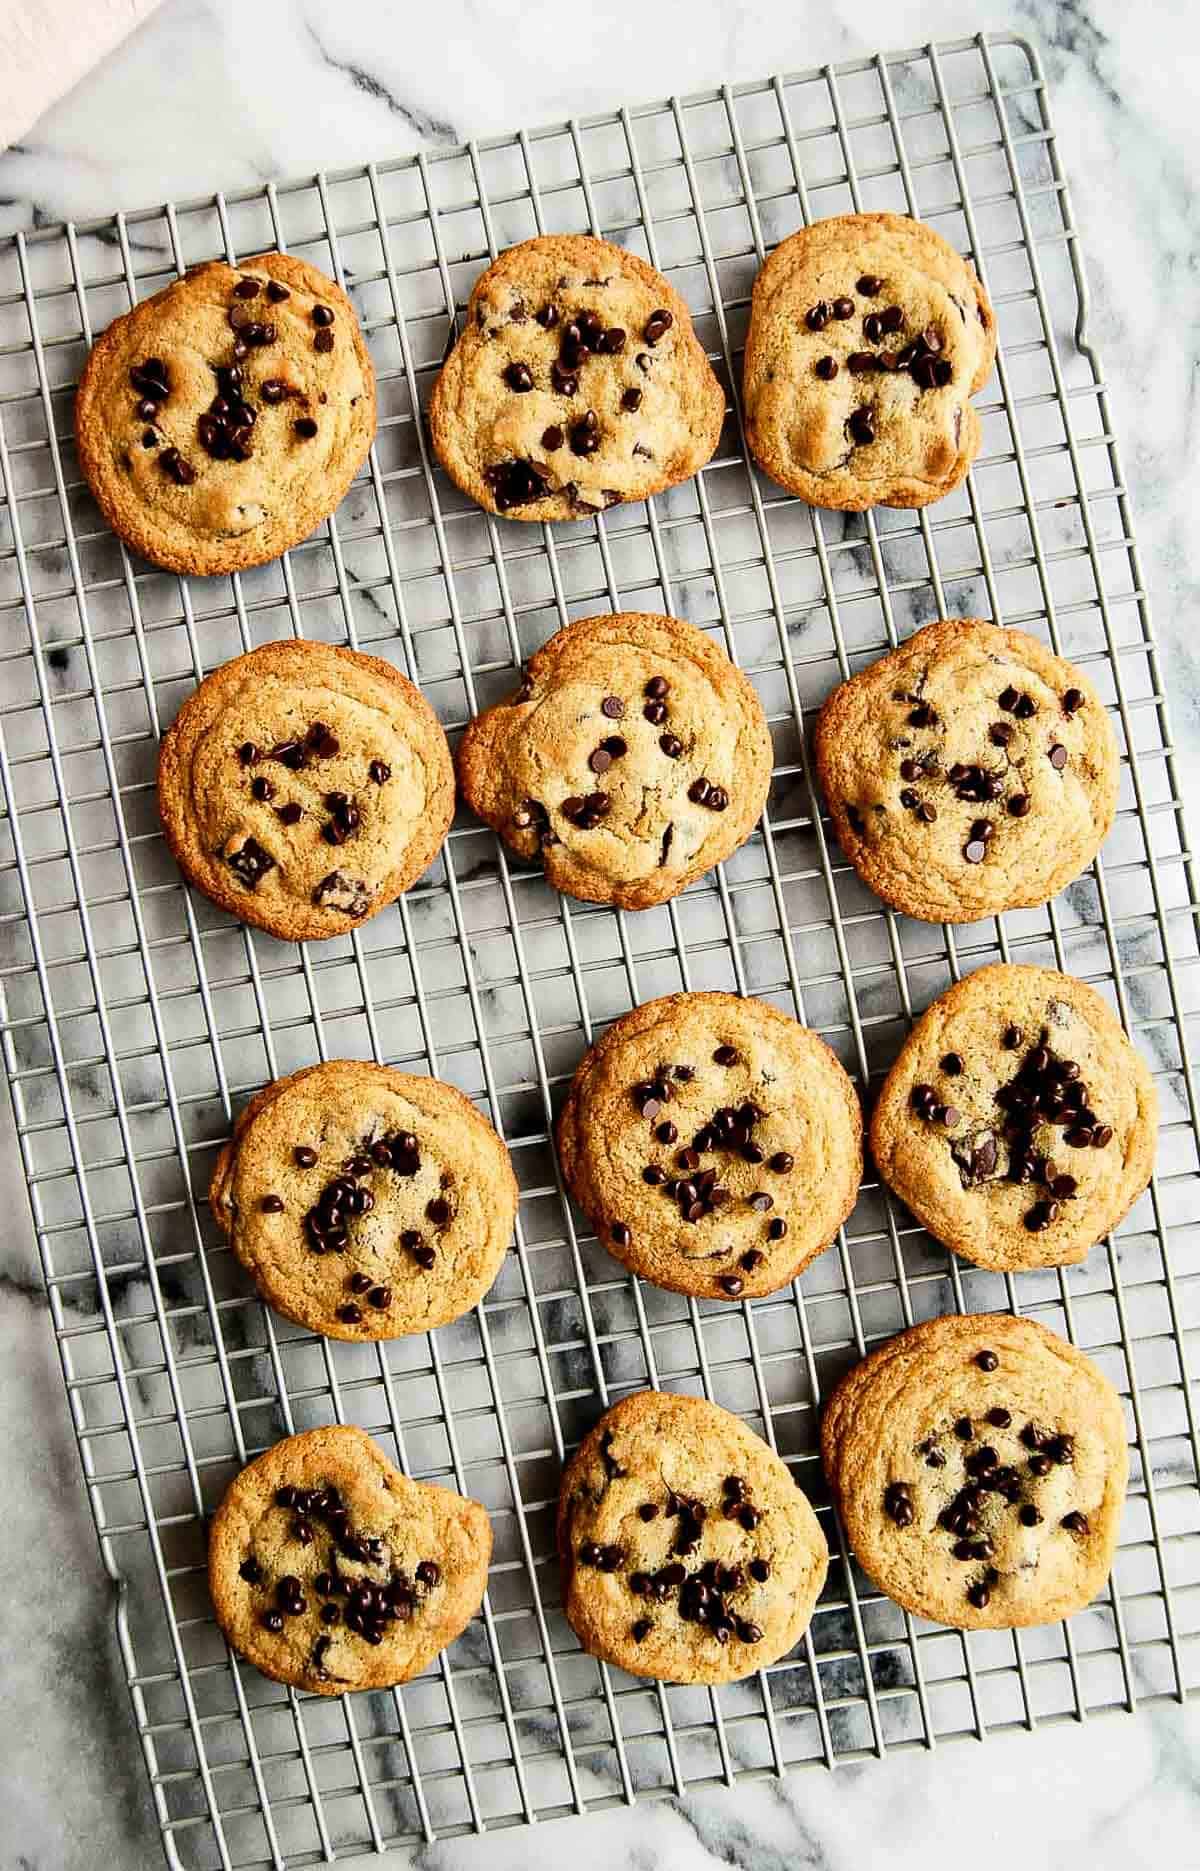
[(1018, 1123), (868, 335), (634, 757), (714, 1144), (967, 772), (688, 1551), (220, 421), (979, 1466), (365, 1203), (576, 383), (304, 787), (331, 1570)]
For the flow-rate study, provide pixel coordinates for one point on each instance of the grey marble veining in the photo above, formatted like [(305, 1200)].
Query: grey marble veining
[(229, 94)]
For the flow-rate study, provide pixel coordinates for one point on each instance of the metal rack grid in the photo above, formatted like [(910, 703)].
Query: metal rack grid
[(137, 1019)]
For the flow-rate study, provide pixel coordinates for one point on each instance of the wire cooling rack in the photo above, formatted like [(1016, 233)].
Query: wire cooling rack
[(137, 1019)]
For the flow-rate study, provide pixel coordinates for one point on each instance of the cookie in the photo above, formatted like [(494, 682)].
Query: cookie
[(634, 757), (304, 787), (331, 1570), (868, 335), (220, 421), (967, 772), (979, 1467), (688, 1551), (714, 1144), (577, 382), (363, 1202), (1018, 1124)]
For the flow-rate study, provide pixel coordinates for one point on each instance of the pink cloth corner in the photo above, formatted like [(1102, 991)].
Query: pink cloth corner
[(47, 46)]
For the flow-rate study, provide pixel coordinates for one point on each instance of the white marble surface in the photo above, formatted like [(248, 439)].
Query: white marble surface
[(234, 91)]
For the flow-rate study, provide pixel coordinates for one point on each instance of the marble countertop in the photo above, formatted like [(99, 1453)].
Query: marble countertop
[(231, 92)]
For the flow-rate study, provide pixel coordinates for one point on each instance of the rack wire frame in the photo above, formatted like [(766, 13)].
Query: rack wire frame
[(136, 1019)]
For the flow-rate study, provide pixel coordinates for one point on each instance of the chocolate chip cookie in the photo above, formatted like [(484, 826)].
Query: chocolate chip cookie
[(1018, 1123), (714, 1144), (868, 336), (979, 1467), (967, 772), (331, 1570), (220, 421), (365, 1203), (633, 757), (577, 382), (688, 1551), (304, 787)]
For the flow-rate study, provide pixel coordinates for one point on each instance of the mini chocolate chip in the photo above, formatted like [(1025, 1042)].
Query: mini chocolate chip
[(248, 288), (657, 688), (251, 1571), (657, 325), (1024, 707), (1000, 733), (671, 746), (350, 1314), (818, 316), (641, 1630), (518, 376), (631, 399), (731, 1283), (781, 1162), (621, 1234), (1075, 1522), (261, 788), (843, 308), (897, 1503), (979, 1596), (647, 1511), (380, 1297), (964, 1429), (323, 341), (1072, 702), (998, 1418), (180, 471), (272, 1205), (1018, 805), (1029, 1515), (272, 1620), (322, 315), (1058, 757), (725, 1055), (585, 434), (826, 368), (861, 426), (305, 427), (975, 850), (752, 1258), (870, 285), (438, 1211), (776, 1228)]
